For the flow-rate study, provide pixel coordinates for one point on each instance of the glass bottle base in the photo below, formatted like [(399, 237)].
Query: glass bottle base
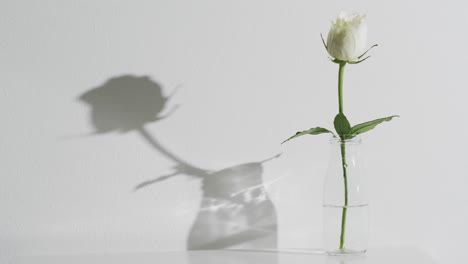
[(346, 252)]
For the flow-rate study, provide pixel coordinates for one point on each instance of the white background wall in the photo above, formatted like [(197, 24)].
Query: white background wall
[(250, 74)]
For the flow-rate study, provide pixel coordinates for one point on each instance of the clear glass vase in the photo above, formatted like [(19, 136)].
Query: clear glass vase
[(345, 201)]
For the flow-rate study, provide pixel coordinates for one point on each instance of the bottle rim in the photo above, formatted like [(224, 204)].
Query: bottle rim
[(356, 140)]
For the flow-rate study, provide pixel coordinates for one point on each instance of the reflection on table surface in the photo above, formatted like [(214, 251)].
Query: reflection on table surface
[(381, 255)]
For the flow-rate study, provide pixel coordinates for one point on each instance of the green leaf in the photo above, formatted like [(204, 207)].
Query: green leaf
[(364, 127), (342, 125), (312, 131)]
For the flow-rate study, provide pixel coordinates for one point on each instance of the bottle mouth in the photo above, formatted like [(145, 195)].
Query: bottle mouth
[(356, 140)]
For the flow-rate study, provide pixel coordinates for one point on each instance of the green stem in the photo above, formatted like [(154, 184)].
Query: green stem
[(340, 86), (343, 159), (345, 207)]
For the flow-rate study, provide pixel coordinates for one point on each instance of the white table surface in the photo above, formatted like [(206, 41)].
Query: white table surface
[(390, 255)]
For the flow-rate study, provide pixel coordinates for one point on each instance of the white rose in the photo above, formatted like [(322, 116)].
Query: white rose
[(347, 38)]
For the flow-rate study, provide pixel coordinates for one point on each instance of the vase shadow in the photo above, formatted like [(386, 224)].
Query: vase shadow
[(235, 210)]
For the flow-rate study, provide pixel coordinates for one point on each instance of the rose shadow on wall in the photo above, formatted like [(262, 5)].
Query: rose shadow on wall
[(235, 210)]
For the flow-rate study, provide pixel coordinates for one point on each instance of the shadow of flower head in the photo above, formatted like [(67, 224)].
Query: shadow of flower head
[(125, 103)]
